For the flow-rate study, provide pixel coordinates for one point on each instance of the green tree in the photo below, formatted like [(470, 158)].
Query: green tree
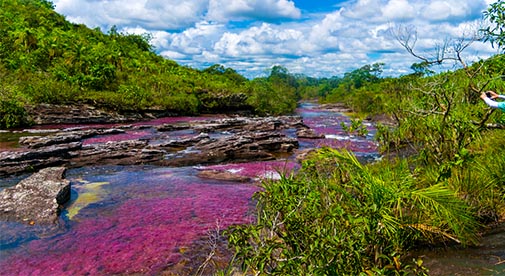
[(422, 68), (496, 32)]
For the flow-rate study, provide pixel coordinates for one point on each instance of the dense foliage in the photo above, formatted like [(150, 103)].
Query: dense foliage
[(496, 16), (441, 179), (339, 217), (46, 59)]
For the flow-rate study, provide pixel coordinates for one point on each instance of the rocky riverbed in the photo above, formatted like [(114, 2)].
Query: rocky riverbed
[(177, 178), (175, 144)]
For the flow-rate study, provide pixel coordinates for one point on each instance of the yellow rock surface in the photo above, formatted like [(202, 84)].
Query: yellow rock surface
[(89, 192)]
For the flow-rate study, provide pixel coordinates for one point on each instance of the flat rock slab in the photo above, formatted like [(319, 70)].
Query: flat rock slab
[(223, 175), (36, 199)]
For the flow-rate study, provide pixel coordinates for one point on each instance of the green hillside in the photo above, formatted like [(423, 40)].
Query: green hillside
[(46, 59)]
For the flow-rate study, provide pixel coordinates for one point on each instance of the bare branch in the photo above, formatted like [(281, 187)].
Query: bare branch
[(450, 49), (407, 37)]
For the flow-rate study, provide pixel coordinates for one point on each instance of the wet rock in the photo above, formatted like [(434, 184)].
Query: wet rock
[(127, 152), (75, 114), (26, 161), (36, 199), (336, 107), (237, 139), (244, 146), (250, 124), (172, 127), (308, 133), (64, 137), (223, 175), (202, 138)]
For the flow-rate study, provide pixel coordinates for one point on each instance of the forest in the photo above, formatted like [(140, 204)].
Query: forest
[(46, 59), (441, 180)]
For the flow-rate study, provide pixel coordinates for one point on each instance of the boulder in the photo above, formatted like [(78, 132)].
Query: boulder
[(36, 199)]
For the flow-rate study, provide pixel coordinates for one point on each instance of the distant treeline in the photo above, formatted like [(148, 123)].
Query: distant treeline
[(46, 59)]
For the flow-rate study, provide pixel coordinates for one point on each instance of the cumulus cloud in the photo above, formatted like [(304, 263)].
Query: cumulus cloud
[(152, 14), (260, 40), (398, 9), (252, 35), (226, 10), (457, 11)]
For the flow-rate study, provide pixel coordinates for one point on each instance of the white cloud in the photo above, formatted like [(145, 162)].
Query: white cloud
[(226, 10), (252, 35), (363, 9), (152, 14), (265, 39), (398, 9), (439, 10), (173, 55)]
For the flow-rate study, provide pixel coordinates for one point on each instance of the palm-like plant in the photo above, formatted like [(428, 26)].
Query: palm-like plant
[(338, 216)]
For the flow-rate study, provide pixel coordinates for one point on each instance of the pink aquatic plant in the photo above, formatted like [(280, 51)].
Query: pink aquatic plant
[(258, 169), (146, 217), (158, 212), (175, 120)]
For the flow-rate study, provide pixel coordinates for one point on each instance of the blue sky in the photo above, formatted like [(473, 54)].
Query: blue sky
[(318, 38)]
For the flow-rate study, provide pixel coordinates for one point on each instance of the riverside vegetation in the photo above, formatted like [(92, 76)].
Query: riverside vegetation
[(335, 216)]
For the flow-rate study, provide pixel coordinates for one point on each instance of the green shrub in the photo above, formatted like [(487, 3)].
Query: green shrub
[(182, 103), (42, 88), (339, 217), (12, 114)]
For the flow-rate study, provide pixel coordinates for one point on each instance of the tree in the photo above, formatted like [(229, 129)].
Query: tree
[(280, 74), (496, 32), (421, 69)]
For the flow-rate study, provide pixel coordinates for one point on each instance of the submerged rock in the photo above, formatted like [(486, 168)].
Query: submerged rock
[(308, 133), (36, 199)]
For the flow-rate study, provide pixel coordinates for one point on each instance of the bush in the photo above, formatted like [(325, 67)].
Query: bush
[(339, 217), (12, 114)]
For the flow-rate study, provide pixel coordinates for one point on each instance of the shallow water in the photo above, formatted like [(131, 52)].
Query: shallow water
[(488, 258), (147, 219), (128, 220)]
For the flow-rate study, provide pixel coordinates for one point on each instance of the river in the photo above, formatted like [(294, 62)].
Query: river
[(153, 220)]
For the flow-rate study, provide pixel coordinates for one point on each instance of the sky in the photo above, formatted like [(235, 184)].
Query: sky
[(318, 38)]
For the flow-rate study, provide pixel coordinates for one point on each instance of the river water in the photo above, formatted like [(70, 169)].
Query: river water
[(153, 220), (148, 219)]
